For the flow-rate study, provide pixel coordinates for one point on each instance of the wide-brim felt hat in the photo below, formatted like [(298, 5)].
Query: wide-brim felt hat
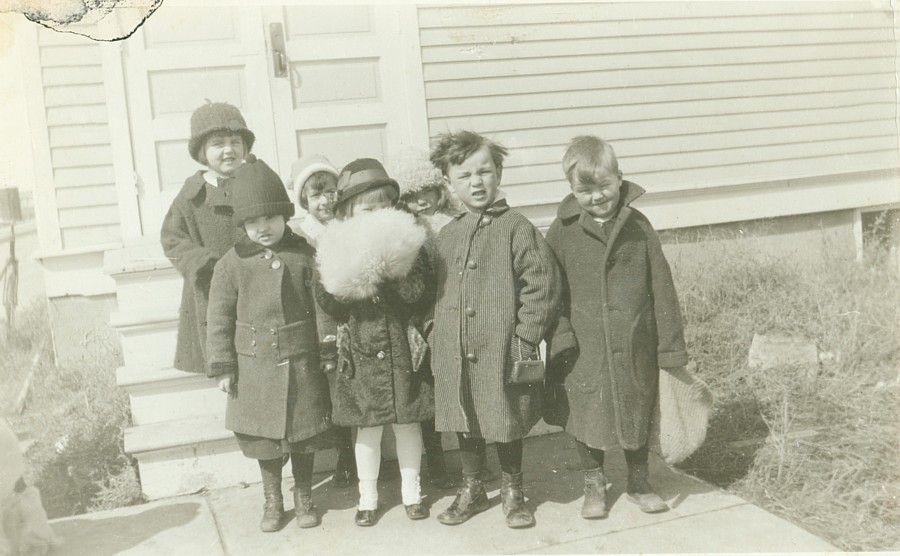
[(362, 175)]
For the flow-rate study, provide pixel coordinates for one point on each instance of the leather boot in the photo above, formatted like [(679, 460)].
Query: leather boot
[(304, 510), (640, 492), (273, 510), (513, 501), (470, 500), (594, 506)]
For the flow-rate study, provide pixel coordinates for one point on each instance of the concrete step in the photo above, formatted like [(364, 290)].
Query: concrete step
[(148, 340), (158, 395), (145, 280), (188, 455)]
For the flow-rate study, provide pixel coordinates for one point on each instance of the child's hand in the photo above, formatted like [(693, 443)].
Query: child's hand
[(227, 385)]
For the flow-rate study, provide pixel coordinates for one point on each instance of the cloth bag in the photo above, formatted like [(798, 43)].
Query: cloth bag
[(684, 405)]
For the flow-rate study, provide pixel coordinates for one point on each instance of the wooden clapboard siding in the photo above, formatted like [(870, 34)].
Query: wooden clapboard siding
[(692, 95), (79, 140)]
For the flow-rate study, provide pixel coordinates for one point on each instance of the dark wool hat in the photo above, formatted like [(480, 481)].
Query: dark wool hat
[(361, 175), (258, 191), (216, 116)]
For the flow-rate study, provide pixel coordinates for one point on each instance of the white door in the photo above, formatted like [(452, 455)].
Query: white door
[(344, 81), (341, 86)]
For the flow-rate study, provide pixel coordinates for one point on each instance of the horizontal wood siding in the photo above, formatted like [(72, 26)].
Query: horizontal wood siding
[(79, 139), (692, 95)]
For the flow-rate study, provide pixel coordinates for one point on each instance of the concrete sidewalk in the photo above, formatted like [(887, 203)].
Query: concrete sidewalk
[(702, 519)]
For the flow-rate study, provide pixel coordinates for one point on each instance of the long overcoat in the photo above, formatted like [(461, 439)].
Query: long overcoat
[(380, 367), (622, 314), (195, 233), (497, 279), (262, 325)]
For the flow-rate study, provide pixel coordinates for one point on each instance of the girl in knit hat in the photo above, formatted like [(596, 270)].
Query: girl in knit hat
[(198, 230), (263, 343), (423, 194), (375, 280)]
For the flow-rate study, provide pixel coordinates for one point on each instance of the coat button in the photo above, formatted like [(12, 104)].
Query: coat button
[(276, 264), (267, 254), (470, 312), (274, 344), (380, 355), (471, 265), (252, 342), (252, 329), (272, 331), (470, 357), (486, 220)]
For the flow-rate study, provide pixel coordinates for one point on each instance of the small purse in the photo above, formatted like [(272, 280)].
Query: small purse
[(529, 371)]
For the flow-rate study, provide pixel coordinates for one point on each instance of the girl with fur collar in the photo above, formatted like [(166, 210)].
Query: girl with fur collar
[(373, 280)]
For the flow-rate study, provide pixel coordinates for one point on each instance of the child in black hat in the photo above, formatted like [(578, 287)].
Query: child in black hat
[(197, 230), (374, 280), (263, 343)]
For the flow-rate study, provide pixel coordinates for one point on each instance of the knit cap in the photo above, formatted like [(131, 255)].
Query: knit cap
[(361, 175), (414, 172), (216, 116), (258, 191), (301, 171)]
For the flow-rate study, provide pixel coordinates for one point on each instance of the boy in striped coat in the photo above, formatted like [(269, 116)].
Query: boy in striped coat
[(498, 293)]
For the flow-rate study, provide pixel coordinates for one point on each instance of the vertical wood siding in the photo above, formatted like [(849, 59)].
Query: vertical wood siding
[(691, 95), (79, 139)]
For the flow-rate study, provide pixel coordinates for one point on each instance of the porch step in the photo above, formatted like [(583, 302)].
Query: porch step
[(146, 282), (158, 395), (148, 340), (187, 455)]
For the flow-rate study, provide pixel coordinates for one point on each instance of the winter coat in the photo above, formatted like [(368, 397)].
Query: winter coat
[(262, 326), (375, 281), (497, 279), (195, 233), (622, 314)]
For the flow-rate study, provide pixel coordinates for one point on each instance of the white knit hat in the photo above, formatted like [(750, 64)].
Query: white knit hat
[(302, 169), (415, 172)]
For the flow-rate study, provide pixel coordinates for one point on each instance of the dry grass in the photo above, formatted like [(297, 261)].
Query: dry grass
[(828, 456), (75, 414)]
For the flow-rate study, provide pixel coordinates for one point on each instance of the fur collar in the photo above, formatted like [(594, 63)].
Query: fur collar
[(357, 255)]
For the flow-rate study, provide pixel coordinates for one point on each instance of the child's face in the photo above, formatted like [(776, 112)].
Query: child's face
[(321, 202), (224, 152), (598, 196), (265, 230), (371, 206), (423, 202), (476, 180)]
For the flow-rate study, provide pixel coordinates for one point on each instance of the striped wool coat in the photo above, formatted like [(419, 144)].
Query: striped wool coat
[(622, 314), (497, 279), (195, 233)]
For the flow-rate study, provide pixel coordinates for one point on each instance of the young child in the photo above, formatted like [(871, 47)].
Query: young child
[(198, 230), (498, 291), (374, 281), (424, 195), (622, 323), (314, 182), (263, 343)]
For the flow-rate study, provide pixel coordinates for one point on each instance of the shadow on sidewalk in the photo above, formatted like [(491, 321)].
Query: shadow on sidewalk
[(113, 535)]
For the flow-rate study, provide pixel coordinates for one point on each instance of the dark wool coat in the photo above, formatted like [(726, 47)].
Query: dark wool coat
[(622, 313), (380, 377), (497, 279), (195, 233), (262, 325)]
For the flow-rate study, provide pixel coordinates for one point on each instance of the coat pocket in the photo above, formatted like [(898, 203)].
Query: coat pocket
[(345, 354)]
